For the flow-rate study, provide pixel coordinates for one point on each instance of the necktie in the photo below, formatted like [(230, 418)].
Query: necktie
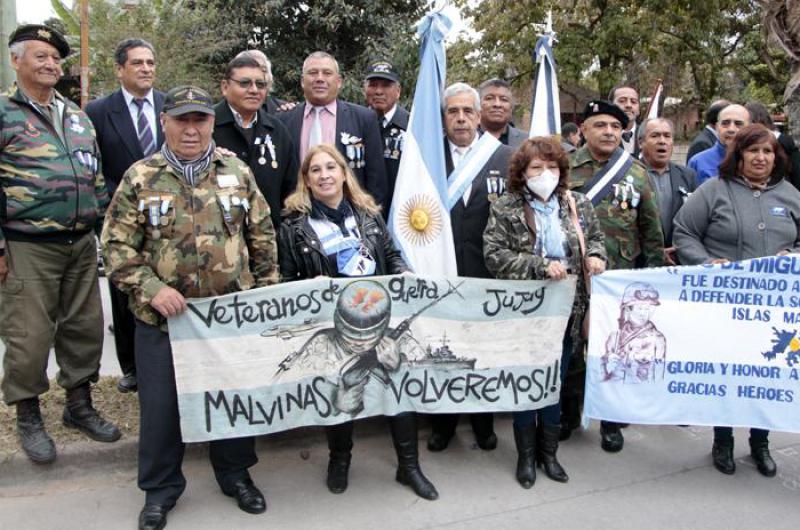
[(385, 122), (627, 135), (315, 136), (143, 126), (460, 153)]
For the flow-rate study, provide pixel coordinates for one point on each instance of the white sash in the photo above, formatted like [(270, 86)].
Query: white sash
[(469, 167)]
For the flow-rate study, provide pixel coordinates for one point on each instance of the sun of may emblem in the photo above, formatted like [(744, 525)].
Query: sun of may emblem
[(420, 220)]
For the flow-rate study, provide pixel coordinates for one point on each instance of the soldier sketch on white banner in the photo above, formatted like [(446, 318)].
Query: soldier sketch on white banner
[(635, 352), (361, 346)]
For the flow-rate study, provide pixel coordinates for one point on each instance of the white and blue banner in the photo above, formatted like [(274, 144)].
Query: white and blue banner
[(326, 351), (419, 218), (700, 345), (546, 106)]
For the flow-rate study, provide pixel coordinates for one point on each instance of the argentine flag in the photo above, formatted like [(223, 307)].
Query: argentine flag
[(419, 219), (546, 110)]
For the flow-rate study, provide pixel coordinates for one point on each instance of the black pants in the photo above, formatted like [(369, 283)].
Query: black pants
[(725, 434), (160, 445), (124, 329), (445, 424)]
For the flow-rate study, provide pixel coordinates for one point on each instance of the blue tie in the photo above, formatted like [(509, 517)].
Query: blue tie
[(143, 126)]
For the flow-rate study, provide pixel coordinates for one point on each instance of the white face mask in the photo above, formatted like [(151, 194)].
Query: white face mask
[(543, 184)]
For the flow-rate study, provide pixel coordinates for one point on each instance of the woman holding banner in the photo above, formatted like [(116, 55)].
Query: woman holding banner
[(538, 231), (750, 211), (333, 228)]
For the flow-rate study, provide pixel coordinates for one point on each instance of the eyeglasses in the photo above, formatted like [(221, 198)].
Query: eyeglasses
[(246, 83)]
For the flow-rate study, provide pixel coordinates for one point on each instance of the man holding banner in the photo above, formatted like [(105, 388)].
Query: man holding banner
[(186, 222), (477, 166), (623, 198)]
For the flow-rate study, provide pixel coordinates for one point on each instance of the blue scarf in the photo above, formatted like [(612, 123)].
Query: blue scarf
[(549, 235)]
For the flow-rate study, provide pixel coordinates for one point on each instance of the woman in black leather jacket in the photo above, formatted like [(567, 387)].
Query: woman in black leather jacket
[(331, 227)]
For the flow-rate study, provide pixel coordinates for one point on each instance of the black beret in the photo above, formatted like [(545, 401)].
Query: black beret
[(42, 33), (601, 106)]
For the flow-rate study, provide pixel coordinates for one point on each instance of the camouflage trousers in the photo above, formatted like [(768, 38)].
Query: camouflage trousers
[(50, 298)]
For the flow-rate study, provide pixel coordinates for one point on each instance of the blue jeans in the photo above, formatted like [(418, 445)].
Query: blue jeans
[(550, 415)]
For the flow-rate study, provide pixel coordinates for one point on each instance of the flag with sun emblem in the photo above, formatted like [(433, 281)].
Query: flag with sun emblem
[(419, 219)]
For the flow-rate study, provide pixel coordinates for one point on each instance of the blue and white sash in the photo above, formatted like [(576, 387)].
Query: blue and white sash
[(352, 257), (601, 183), (468, 168)]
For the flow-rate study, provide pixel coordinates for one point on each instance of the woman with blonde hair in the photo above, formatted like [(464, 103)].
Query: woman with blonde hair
[(332, 227)]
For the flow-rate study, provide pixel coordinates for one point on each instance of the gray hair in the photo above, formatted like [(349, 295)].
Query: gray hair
[(18, 49), (321, 55), (643, 127), (461, 88), (262, 60)]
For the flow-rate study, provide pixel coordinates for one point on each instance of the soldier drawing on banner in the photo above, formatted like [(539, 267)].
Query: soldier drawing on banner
[(636, 352), (360, 346)]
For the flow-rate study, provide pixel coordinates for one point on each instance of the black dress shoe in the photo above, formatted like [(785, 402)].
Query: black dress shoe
[(248, 496), (153, 517), (611, 439), (722, 455), (437, 442), (127, 383), (759, 451), (487, 444)]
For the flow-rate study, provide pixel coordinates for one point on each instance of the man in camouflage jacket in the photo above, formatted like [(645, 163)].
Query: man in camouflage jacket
[(186, 222), (627, 208), (52, 196)]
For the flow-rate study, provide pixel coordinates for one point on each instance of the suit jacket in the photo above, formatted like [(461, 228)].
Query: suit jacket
[(116, 134), (680, 177), (468, 222), (275, 183), (354, 120), (392, 144), (516, 137), (705, 139)]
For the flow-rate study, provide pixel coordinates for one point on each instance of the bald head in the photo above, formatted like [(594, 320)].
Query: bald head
[(731, 119)]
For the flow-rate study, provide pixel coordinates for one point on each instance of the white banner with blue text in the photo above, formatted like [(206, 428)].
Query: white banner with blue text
[(325, 351), (700, 345)]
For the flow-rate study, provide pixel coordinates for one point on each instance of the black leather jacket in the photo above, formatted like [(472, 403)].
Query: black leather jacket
[(301, 256)]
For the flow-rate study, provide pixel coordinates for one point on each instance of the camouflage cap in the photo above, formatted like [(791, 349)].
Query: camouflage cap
[(382, 70), (600, 106), (41, 33), (185, 99)]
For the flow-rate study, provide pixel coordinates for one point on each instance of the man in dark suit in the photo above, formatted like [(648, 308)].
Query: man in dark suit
[(323, 118), (468, 217), (128, 130), (706, 138), (497, 107), (672, 182), (381, 92), (243, 126)]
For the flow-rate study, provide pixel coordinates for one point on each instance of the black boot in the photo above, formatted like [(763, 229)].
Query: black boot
[(525, 439), (570, 415), (759, 450), (547, 446), (722, 454), (340, 445), (611, 439), (34, 438), (404, 437), (80, 414)]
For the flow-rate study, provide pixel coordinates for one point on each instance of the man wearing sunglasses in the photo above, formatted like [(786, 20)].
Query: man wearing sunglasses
[(258, 139)]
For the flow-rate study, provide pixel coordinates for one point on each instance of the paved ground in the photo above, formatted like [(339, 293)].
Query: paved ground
[(662, 479)]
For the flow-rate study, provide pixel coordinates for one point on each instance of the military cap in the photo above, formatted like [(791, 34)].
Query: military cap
[(42, 33), (382, 70), (185, 99), (600, 106)]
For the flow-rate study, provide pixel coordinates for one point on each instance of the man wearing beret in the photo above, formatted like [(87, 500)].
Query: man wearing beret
[(52, 197), (186, 222), (627, 208), (382, 91)]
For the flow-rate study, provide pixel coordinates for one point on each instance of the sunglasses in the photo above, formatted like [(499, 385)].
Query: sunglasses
[(246, 83)]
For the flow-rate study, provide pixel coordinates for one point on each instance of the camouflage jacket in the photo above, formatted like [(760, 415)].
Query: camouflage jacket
[(209, 239), (48, 187), (508, 245), (634, 238)]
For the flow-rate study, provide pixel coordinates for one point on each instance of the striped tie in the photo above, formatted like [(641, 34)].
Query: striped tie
[(145, 133)]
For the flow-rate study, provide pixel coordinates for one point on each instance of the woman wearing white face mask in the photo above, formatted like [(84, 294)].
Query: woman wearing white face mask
[(540, 230)]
